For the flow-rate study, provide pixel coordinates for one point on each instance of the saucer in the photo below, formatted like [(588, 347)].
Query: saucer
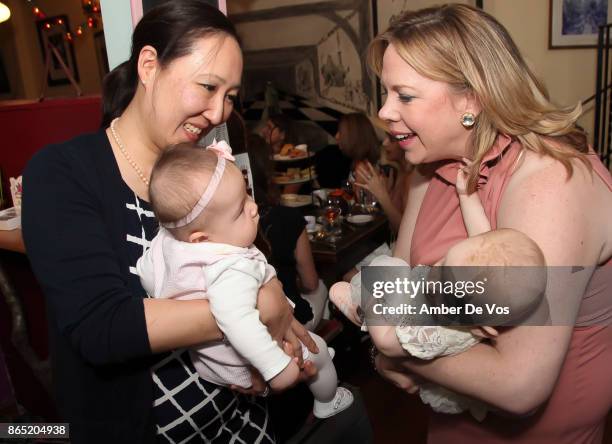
[(316, 228), (359, 219)]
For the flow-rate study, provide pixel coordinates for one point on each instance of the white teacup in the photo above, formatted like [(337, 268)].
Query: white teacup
[(320, 197), (311, 223)]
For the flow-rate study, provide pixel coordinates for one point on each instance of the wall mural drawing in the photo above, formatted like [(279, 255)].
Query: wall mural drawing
[(305, 84), (326, 64), (333, 74), (341, 76)]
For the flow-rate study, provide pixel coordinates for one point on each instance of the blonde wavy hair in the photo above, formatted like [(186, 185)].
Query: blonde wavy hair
[(473, 53)]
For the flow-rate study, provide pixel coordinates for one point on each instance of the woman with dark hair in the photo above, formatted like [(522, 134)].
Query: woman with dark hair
[(357, 139), (278, 131), (284, 228), (121, 371), (389, 185)]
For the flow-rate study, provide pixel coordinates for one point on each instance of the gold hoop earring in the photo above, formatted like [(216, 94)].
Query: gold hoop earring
[(468, 119)]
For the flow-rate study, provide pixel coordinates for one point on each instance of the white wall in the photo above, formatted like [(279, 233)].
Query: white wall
[(283, 33), (239, 6), (117, 16)]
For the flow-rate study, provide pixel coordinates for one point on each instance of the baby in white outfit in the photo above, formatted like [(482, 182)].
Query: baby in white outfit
[(517, 287), (204, 250)]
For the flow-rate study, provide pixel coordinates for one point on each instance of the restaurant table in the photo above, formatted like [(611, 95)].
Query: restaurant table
[(356, 241), (12, 240)]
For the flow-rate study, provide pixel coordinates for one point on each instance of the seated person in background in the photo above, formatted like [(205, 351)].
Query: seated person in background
[(389, 185), (358, 141), (284, 228), (204, 249), (332, 167), (278, 132), (519, 289)]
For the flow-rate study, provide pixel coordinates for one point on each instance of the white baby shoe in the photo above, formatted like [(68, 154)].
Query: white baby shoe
[(342, 401)]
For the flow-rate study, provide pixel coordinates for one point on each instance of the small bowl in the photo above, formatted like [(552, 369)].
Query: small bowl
[(360, 219), (315, 229)]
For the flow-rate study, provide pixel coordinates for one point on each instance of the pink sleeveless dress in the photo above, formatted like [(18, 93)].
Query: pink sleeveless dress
[(576, 411)]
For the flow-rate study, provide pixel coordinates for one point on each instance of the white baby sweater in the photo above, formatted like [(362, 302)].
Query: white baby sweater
[(230, 278)]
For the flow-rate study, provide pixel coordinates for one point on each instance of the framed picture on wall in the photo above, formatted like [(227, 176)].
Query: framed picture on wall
[(52, 34), (575, 23)]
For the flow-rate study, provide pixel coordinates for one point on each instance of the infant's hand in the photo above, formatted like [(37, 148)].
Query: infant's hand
[(462, 175), (485, 332)]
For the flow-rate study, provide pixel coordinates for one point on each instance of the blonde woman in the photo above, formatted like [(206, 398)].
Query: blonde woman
[(459, 88)]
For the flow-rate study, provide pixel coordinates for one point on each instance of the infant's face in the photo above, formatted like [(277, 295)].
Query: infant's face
[(234, 212)]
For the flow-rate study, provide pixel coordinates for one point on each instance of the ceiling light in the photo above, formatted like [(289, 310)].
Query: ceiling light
[(5, 12)]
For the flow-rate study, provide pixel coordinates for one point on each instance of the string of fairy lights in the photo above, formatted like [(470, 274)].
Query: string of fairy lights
[(91, 10)]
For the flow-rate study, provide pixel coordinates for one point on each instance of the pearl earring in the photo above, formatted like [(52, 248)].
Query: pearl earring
[(468, 120)]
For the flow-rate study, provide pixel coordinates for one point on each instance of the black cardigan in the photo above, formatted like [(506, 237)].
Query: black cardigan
[(74, 235)]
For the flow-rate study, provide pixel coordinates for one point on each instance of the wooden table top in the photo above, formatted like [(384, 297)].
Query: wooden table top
[(12, 240), (355, 243), (351, 236)]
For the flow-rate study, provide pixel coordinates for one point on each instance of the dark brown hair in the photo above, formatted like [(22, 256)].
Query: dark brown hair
[(285, 125), (358, 140), (262, 170), (171, 28)]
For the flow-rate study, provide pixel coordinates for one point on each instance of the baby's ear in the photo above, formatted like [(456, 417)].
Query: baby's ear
[(198, 236)]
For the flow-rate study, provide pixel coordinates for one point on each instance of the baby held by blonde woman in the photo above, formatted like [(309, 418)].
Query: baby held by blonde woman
[(509, 263), (204, 249)]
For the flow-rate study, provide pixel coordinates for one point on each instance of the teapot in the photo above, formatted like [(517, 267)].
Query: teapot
[(336, 198)]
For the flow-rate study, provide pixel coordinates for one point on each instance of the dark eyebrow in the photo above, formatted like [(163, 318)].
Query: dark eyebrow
[(221, 80)]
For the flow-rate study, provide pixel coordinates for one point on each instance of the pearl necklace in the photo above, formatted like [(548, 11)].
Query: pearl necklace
[(131, 161)]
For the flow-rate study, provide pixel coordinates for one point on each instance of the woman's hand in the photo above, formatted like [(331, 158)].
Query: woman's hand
[(388, 369), (274, 310), (259, 386), (276, 313), (307, 369), (371, 180)]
